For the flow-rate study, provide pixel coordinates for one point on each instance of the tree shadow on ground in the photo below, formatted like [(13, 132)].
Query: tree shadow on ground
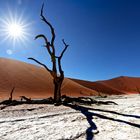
[(92, 129), (77, 104), (114, 112)]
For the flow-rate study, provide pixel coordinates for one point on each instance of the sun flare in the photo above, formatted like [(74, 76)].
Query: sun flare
[(14, 29)]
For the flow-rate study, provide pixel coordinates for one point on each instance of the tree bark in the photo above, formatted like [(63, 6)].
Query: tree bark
[(57, 89)]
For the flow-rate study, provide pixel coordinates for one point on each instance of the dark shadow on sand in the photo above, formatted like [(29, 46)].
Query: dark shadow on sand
[(89, 116), (114, 112)]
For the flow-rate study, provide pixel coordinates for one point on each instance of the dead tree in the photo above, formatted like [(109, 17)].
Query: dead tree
[(56, 73), (11, 94)]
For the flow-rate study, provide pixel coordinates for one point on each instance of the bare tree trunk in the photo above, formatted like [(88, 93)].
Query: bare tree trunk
[(57, 89), (57, 92)]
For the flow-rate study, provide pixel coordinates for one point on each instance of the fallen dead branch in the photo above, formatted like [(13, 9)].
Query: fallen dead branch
[(64, 100), (84, 100)]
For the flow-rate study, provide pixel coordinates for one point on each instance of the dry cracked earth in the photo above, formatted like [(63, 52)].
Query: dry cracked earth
[(96, 122)]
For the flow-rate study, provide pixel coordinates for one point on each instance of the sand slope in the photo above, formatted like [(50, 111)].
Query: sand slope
[(119, 85), (32, 81), (100, 87), (124, 84), (35, 82)]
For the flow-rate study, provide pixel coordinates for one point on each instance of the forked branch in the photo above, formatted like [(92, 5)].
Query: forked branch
[(59, 58), (66, 46), (62, 53)]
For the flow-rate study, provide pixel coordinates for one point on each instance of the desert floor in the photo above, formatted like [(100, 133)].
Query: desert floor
[(48, 122)]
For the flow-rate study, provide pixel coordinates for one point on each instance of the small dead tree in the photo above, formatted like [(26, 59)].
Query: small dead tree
[(56, 73), (11, 94)]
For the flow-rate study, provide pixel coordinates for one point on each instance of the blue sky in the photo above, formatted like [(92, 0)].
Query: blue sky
[(104, 35)]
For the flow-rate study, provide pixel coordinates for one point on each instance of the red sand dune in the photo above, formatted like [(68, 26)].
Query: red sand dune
[(35, 82), (124, 84), (119, 85), (100, 87)]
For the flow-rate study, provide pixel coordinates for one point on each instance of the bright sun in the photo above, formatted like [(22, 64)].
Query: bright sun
[(14, 28)]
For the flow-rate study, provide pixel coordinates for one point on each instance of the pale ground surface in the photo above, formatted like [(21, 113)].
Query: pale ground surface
[(46, 122)]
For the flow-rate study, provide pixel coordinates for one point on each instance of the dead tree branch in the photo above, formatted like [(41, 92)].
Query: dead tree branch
[(25, 98), (11, 94), (61, 55), (47, 44), (51, 27), (66, 46), (84, 101), (40, 64)]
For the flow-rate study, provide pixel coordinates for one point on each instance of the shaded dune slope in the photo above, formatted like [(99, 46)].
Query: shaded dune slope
[(100, 87), (119, 85), (124, 84)]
